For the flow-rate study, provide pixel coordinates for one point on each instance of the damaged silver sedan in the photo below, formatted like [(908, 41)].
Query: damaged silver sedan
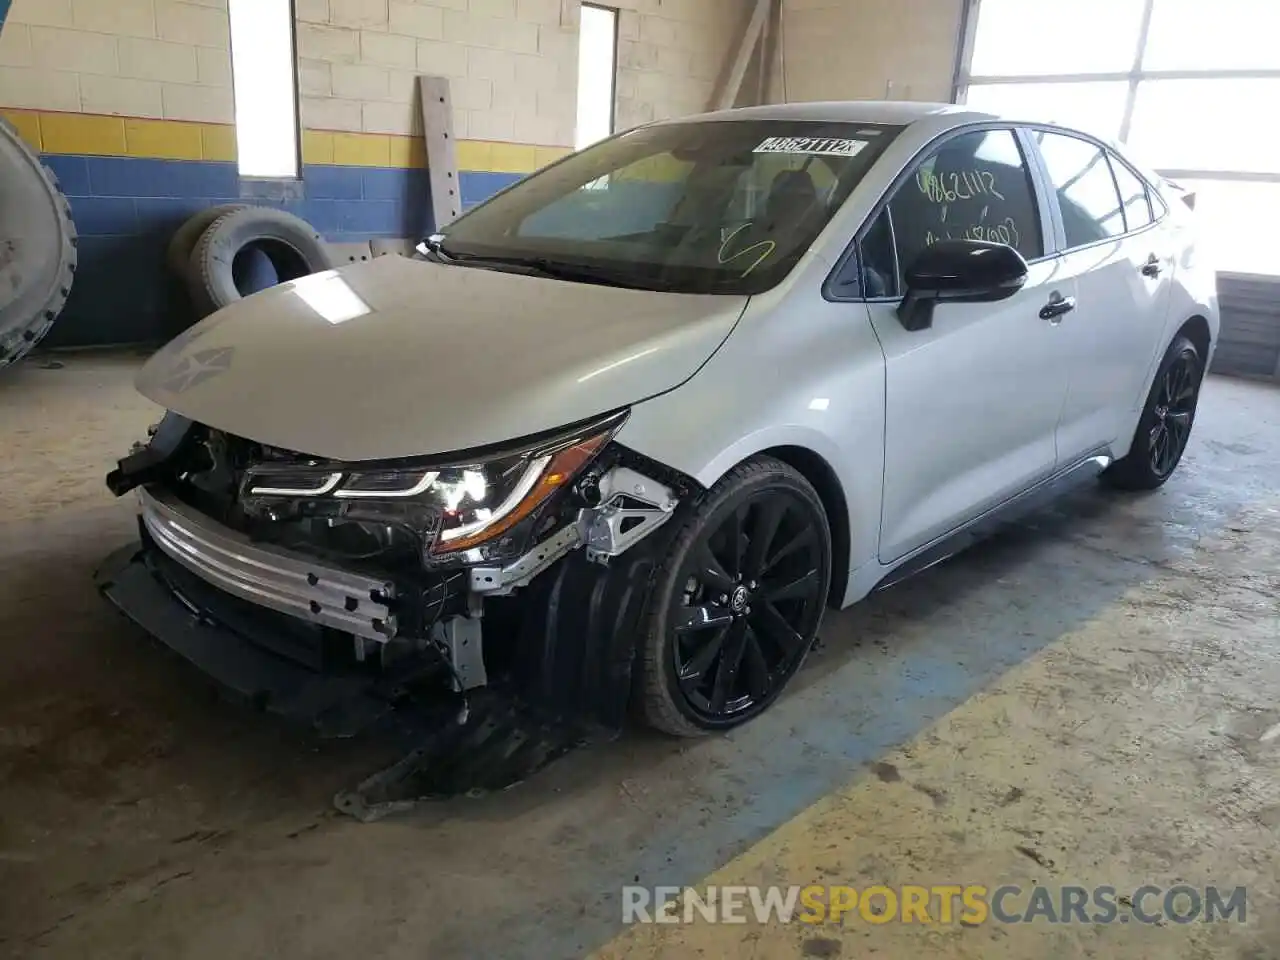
[(617, 437)]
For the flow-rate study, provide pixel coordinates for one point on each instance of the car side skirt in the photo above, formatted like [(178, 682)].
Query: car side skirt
[(985, 524)]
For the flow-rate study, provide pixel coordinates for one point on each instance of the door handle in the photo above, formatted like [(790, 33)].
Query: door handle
[(1152, 267), (1057, 308)]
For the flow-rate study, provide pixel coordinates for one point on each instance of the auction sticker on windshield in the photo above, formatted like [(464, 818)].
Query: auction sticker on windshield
[(823, 146)]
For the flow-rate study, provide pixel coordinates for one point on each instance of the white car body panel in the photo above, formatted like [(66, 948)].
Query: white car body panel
[(1113, 337), (972, 408), (417, 372), (921, 431), (759, 392), (1193, 292)]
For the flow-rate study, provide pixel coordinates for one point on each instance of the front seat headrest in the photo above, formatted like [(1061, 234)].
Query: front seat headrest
[(792, 195)]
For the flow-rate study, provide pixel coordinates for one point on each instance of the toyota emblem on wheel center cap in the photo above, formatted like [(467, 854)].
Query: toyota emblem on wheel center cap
[(738, 599)]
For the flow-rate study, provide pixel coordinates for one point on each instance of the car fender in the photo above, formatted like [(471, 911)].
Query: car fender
[(798, 371)]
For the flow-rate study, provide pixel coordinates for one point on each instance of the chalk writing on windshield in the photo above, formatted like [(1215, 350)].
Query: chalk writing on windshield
[(762, 251)]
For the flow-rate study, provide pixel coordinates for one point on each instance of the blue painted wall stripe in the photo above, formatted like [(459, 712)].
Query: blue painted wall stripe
[(126, 209)]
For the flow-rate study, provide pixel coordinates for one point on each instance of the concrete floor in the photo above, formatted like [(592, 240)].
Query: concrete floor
[(1111, 664)]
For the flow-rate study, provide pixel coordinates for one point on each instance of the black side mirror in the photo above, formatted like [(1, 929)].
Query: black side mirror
[(969, 271)]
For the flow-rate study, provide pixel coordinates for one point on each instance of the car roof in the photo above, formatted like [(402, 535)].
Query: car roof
[(901, 112)]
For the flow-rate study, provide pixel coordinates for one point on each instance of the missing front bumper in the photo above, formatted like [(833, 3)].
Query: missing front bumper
[(239, 660), (567, 695), (253, 618)]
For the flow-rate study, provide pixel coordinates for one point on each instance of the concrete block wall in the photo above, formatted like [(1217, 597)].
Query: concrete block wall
[(513, 63), (869, 49), (130, 102), (160, 59), (670, 53)]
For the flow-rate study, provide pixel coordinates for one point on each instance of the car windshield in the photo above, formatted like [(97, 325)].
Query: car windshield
[(725, 207)]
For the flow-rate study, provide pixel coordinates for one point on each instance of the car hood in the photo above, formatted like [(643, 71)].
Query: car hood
[(398, 357)]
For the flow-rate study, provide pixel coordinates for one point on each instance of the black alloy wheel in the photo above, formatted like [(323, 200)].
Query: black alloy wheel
[(1174, 410), (1165, 425), (742, 597)]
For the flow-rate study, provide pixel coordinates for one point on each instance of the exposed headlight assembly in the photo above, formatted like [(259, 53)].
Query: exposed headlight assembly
[(477, 510)]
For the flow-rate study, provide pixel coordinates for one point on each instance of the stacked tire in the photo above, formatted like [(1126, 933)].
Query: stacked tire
[(37, 247), (226, 253)]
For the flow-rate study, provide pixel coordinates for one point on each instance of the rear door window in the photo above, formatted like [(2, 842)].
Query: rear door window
[(1087, 194)]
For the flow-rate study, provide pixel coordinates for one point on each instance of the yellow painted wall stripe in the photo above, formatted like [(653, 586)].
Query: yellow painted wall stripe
[(106, 136), (27, 125), (181, 141), (217, 142)]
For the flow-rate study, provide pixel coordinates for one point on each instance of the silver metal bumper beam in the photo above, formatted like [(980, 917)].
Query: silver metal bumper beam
[(268, 576)]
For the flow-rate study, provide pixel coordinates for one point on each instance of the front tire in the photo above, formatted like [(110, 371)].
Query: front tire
[(737, 602), (1165, 425)]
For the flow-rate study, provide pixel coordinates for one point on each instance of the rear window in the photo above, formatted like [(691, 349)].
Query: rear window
[(1135, 197)]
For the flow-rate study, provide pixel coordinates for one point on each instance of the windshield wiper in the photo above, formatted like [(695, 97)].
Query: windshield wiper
[(569, 271), (554, 270), (433, 248)]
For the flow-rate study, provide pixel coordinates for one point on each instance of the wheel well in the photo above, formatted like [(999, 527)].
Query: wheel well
[(823, 479), (1197, 330)]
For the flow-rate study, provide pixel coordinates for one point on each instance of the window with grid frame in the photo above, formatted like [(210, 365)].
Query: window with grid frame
[(1143, 77)]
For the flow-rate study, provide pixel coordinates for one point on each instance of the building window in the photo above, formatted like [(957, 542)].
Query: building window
[(597, 73), (265, 77), (1148, 73)]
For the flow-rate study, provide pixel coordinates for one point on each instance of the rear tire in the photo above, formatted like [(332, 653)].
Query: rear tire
[(737, 602), (1165, 425)]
